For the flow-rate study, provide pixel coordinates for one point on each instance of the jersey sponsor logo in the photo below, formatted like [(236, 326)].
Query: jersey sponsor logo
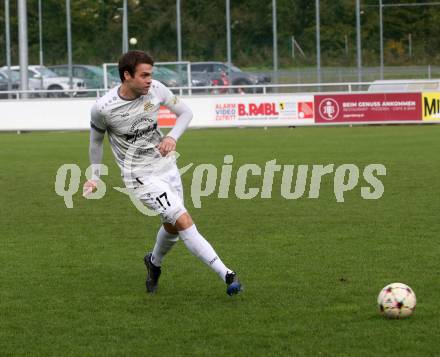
[(140, 120), (139, 133)]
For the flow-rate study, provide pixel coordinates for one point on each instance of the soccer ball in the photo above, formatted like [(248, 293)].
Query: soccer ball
[(396, 301)]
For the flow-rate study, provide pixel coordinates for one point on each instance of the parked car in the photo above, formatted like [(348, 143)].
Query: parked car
[(93, 76), (4, 84), (51, 81), (171, 78), (163, 74), (168, 77), (215, 70), (34, 84)]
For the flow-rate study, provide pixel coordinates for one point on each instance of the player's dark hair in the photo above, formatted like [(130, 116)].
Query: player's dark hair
[(128, 62)]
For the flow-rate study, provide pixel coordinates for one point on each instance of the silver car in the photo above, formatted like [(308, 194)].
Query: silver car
[(49, 80)]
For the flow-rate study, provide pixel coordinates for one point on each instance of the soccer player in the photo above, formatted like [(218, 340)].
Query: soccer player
[(128, 113)]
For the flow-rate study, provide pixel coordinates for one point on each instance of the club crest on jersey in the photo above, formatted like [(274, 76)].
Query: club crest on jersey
[(148, 106)]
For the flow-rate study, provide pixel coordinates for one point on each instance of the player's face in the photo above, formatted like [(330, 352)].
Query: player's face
[(141, 82)]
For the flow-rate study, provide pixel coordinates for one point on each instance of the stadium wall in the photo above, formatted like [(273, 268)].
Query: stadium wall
[(241, 111)]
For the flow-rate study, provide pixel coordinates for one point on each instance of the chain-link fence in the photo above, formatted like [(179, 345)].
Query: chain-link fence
[(350, 74), (179, 77)]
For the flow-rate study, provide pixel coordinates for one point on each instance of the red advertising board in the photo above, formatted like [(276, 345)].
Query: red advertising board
[(166, 118), (378, 107)]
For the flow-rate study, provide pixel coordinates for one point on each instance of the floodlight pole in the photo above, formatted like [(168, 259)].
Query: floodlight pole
[(40, 31), (179, 32), (179, 44), (381, 38), (8, 43), (318, 42), (275, 37), (228, 36), (23, 45), (358, 40), (69, 44), (124, 28)]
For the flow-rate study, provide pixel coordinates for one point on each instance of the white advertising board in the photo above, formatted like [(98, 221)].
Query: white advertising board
[(209, 111)]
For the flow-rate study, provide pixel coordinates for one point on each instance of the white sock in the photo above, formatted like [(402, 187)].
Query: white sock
[(164, 243), (200, 247)]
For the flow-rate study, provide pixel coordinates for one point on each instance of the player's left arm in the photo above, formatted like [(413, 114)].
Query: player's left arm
[(184, 115)]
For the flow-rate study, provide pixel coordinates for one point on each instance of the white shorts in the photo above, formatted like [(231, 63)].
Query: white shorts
[(162, 193)]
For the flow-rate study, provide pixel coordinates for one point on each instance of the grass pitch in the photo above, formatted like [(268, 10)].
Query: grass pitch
[(72, 280)]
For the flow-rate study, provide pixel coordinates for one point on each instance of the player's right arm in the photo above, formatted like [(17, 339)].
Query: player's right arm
[(97, 133)]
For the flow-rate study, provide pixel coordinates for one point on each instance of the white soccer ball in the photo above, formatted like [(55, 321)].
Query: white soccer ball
[(133, 41), (396, 301)]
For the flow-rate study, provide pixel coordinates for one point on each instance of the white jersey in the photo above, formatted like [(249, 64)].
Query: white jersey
[(132, 127)]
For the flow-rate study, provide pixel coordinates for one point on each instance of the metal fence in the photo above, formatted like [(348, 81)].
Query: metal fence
[(350, 74), (300, 80), (262, 89)]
